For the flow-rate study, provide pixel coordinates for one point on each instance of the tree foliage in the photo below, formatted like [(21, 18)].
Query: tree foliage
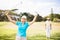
[(30, 17), (53, 17), (3, 16)]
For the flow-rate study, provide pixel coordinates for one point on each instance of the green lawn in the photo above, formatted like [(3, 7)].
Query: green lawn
[(2, 23), (34, 32)]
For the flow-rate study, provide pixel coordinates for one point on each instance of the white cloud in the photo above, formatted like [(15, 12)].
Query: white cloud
[(41, 6), (8, 4)]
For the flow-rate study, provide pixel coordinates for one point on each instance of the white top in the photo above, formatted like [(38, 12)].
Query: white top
[(48, 23)]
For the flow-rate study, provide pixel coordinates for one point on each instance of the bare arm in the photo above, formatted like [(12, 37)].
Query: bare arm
[(33, 20), (9, 18)]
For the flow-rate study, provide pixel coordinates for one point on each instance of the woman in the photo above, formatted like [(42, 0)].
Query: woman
[(22, 26), (48, 28)]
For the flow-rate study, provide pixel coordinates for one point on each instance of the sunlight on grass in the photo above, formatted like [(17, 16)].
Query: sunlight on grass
[(33, 33), (7, 34), (3, 23)]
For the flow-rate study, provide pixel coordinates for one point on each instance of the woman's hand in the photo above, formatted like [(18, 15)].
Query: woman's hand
[(9, 18), (6, 12), (35, 16)]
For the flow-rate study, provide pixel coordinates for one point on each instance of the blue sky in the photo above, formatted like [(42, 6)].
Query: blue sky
[(43, 7)]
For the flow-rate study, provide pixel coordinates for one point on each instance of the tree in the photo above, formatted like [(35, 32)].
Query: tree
[(57, 16), (51, 16), (30, 17), (14, 9), (3, 16), (45, 18), (39, 18)]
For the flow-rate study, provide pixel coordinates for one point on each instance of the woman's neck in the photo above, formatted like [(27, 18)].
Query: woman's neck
[(23, 22)]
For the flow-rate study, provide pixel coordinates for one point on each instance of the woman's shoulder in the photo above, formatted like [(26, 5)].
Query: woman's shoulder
[(18, 21), (26, 22)]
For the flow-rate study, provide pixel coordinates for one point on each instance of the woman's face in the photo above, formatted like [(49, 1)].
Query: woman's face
[(23, 20), (48, 19)]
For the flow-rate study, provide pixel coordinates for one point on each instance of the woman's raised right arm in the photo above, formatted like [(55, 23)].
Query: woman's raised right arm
[(9, 18)]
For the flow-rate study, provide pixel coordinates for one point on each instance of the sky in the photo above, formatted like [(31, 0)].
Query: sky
[(43, 7)]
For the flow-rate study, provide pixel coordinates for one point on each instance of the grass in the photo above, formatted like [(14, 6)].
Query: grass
[(56, 36), (7, 34), (34, 32), (2, 23)]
